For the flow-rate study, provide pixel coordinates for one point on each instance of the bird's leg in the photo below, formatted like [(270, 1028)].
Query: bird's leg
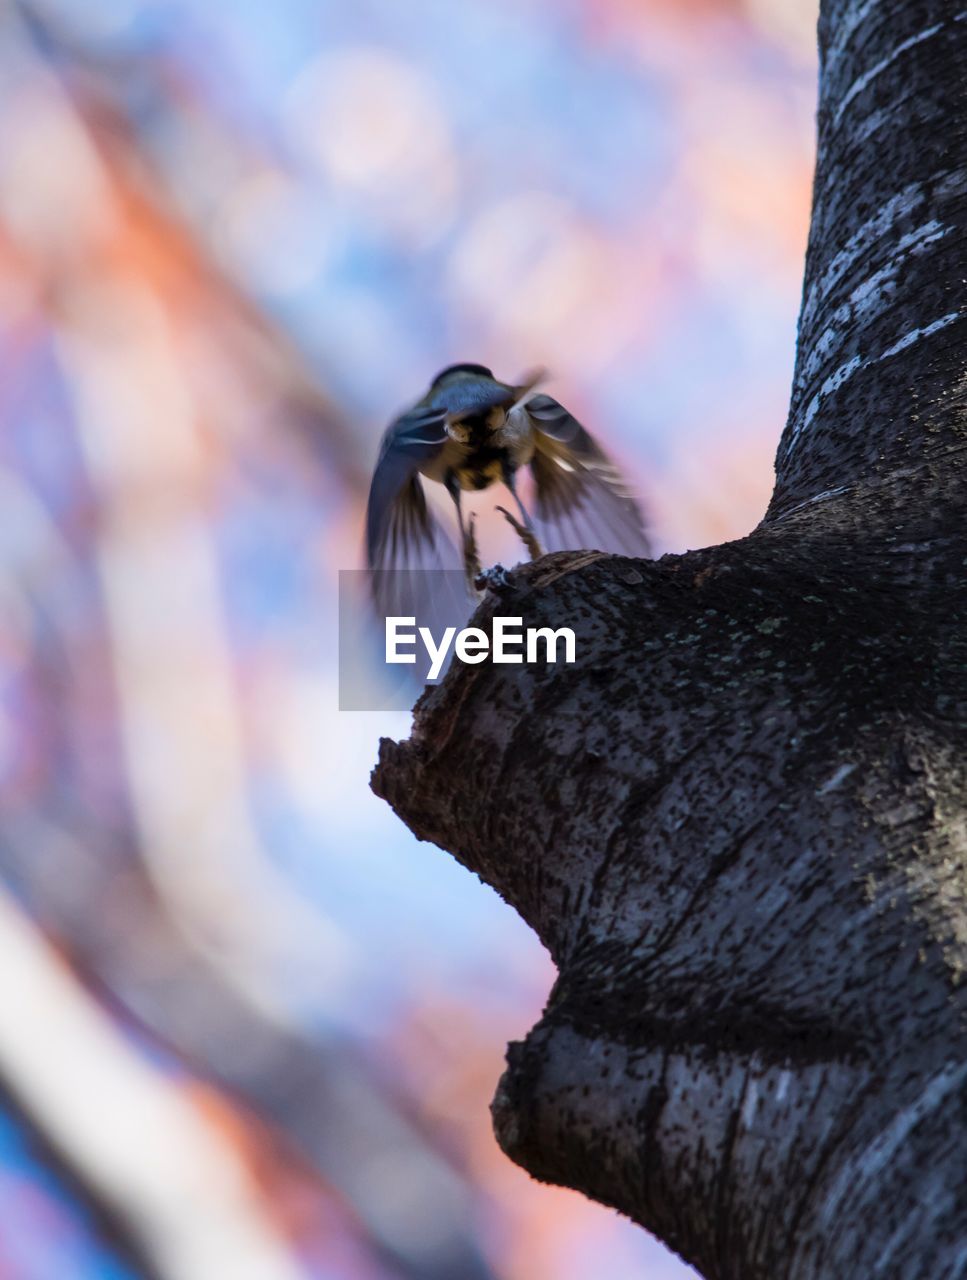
[(468, 538), (471, 557), (524, 531)]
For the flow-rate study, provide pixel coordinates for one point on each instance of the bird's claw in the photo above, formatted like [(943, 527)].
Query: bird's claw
[(496, 578)]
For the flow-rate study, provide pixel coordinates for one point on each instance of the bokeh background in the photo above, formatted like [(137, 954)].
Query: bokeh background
[(250, 1028)]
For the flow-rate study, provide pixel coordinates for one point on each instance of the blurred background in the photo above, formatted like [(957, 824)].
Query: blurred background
[(249, 1028)]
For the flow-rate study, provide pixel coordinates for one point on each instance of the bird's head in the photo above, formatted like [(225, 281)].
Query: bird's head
[(454, 373), (472, 397), (471, 394)]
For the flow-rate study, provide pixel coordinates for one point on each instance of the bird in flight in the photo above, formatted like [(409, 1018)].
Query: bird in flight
[(470, 431)]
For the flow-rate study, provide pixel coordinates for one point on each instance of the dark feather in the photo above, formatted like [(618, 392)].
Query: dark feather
[(582, 500), (403, 538), (462, 368), (397, 520)]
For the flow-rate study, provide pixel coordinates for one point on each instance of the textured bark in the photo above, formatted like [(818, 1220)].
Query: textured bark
[(738, 821)]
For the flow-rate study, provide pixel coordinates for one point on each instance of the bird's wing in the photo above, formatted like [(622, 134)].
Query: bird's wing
[(403, 541), (582, 501), (403, 538), (400, 531)]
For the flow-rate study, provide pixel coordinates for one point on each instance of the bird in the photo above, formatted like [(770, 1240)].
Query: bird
[(470, 431)]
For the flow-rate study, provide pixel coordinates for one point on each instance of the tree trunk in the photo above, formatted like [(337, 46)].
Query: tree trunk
[(738, 821)]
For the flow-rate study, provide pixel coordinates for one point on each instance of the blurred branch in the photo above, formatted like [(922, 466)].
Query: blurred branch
[(83, 880), (169, 931), (176, 1198), (111, 1228), (257, 348), (412, 1206)]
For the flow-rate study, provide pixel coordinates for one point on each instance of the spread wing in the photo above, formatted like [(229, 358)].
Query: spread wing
[(403, 538), (400, 531), (582, 501)]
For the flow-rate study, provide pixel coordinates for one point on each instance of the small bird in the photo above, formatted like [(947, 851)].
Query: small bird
[(470, 431)]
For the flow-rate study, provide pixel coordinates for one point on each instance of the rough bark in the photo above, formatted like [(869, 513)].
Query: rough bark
[(738, 822)]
